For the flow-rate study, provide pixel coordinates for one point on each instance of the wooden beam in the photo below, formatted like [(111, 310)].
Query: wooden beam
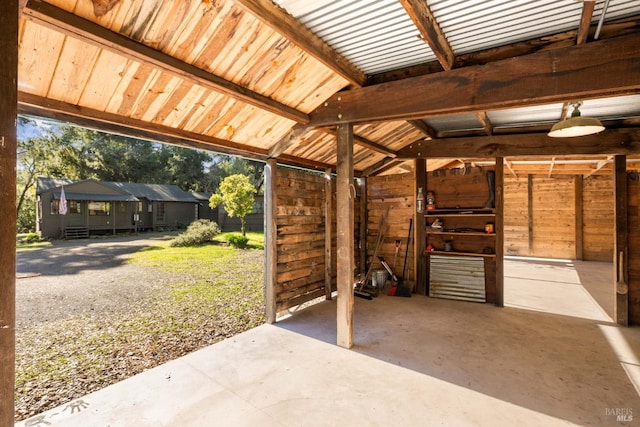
[(344, 231), (382, 166), (421, 15), (621, 243), (601, 164), (508, 165), (8, 143), (484, 120), (499, 230), (425, 128), (74, 26), (270, 241), (585, 21), (328, 232), (579, 215), (364, 142), (113, 123), (293, 30), (611, 141), (598, 69), (292, 137), (419, 233)]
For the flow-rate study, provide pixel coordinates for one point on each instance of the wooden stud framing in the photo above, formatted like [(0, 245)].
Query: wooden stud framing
[(270, 246), (579, 224), (364, 218), (621, 248), (499, 230), (344, 228), (420, 243), (8, 141), (328, 231)]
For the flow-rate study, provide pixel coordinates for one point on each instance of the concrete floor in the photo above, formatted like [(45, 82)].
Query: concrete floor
[(571, 288), (416, 362)]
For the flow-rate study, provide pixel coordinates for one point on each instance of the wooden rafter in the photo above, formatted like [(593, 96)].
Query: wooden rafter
[(611, 141), (431, 32), (290, 28), (585, 21), (292, 137), (424, 128), (567, 73), (107, 122), (67, 23), (381, 166), (483, 118)]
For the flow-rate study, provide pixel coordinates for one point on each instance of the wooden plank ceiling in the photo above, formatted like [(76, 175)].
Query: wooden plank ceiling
[(248, 78)]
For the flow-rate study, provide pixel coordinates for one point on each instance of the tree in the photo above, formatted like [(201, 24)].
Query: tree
[(236, 194)]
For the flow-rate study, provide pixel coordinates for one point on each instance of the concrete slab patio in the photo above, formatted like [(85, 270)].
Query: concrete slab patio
[(417, 362)]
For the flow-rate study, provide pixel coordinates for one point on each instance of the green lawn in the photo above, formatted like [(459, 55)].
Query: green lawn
[(209, 292)]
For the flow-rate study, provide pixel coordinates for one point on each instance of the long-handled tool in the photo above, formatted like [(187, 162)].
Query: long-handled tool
[(359, 290), (400, 290)]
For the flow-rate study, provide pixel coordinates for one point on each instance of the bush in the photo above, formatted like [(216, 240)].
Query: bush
[(30, 238), (238, 241), (198, 232)]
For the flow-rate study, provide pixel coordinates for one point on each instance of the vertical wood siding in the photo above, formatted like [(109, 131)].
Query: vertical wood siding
[(392, 194), (598, 218), (553, 215)]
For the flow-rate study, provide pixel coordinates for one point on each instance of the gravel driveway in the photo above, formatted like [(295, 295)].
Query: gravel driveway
[(83, 277)]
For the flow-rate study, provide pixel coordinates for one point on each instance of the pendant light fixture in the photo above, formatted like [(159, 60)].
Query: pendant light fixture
[(576, 125)]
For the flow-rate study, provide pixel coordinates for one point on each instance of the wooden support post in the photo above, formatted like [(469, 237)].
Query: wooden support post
[(364, 219), (499, 230), (419, 231), (620, 254), (579, 217), (270, 240), (530, 211), (344, 228), (8, 141), (328, 231)]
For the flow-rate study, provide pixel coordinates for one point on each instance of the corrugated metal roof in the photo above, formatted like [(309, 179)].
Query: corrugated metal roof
[(472, 25), (376, 35)]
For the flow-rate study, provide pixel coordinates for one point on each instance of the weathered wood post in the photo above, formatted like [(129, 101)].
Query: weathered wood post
[(8, 118), (621, 242), (344, 228), (270, 244)]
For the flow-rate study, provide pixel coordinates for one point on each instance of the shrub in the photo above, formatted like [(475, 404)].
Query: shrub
[(238, 241), (198, 232), (30, 238)]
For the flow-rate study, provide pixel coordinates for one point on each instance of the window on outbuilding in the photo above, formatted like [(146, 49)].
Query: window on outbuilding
[(99, 208), (160, 211)]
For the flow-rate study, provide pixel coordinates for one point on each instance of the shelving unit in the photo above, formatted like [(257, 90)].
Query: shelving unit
[(466, 259)]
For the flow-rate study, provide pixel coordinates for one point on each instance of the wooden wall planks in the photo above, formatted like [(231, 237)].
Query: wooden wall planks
[(301, 243), (553, 210), (395, 194)]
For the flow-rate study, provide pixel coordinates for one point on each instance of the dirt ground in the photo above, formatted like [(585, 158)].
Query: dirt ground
[(83, 277)]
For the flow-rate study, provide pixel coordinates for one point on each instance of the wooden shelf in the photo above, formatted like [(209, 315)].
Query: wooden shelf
[(461, 212), (453, 253), (462, 233)]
